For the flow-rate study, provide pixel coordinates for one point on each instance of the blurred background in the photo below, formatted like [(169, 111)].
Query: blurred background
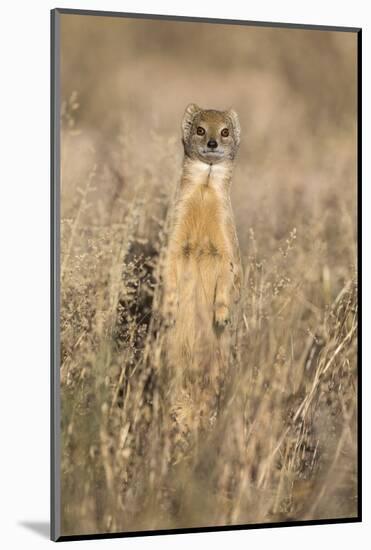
[(294, 91), (292, 452)]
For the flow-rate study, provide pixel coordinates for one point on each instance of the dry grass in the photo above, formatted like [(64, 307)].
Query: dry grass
[(281, 444)]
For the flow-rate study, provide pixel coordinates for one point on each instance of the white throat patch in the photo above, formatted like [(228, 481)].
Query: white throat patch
[(199, 172)]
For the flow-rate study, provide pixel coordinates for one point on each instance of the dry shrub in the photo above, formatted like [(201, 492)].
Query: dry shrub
[(281, 442)]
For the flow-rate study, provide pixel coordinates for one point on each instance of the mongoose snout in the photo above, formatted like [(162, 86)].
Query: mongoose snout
[(212, 144)]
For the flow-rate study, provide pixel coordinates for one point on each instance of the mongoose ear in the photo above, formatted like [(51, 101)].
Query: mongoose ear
[(188, 117), (236, 125)]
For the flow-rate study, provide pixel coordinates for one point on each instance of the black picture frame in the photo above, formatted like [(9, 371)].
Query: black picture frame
[(55, 448)]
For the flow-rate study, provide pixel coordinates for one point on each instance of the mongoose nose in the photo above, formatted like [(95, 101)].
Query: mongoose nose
[(212, 144)]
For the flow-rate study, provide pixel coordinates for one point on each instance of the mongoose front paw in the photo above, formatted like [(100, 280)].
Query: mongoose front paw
[(168, 321), (168, 317), (169, 314), (221, 316)]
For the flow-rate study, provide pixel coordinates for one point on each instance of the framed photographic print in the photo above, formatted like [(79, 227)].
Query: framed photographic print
[(205, 274)]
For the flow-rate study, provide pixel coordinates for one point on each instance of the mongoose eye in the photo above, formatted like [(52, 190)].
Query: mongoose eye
[(200, 131), (225, 132)]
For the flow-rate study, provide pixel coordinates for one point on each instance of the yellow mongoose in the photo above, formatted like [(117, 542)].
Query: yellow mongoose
[(202, 267)]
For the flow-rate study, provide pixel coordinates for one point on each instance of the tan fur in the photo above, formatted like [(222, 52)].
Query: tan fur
[(202, 269)]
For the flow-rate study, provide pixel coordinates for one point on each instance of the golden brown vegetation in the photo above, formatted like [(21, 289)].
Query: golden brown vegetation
[(281, 444)]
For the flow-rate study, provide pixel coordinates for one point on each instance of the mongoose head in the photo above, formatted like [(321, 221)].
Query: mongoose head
[(210, 136)]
